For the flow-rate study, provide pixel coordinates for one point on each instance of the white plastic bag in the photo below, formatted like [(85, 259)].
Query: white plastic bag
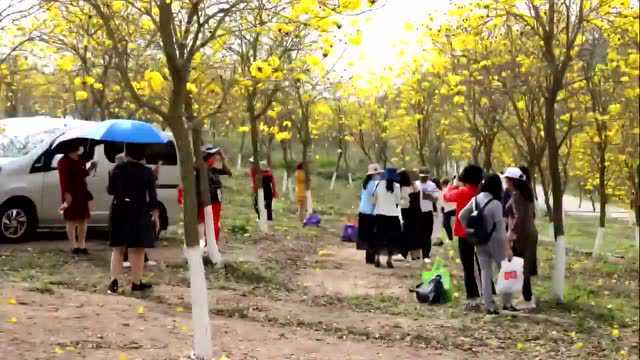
[(511, 276)]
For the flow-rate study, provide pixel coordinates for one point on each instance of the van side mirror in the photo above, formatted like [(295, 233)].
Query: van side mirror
[(54, 161)]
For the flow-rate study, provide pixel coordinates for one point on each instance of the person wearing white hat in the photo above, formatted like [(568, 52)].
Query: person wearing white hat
[(366, 219), (522, 233)]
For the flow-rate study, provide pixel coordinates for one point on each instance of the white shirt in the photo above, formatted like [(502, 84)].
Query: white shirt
[(430, 188), (446, 205), (387, 203)]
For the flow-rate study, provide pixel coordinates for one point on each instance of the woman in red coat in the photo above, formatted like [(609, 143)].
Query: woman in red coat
[(75, 195), (460, 194)]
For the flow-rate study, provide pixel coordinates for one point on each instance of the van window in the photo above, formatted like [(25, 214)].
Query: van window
[(154, 153), (43, 162), (162, 152), (111, 150)]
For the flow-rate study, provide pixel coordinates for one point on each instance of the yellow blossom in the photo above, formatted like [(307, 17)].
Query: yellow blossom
[(81, 95), (155, 80), (260, 70)]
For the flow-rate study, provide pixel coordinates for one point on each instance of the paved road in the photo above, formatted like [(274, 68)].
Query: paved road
[(572, 206)]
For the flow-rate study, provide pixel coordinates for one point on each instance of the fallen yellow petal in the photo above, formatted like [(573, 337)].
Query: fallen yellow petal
[(179, 309), (184, 328), (58, 350), (70, 348), (13, 320), (224, 357), (140, 310), (615, 333), (122, 356), (520, 346), (579, 346), (12, 301)]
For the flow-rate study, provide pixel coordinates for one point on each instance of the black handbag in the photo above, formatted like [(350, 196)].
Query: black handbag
[(432, 293)]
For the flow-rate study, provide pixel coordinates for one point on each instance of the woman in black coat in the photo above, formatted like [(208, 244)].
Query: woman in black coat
[(134, 215)]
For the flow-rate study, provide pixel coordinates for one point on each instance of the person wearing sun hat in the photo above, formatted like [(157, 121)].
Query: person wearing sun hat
[(386, 198), (522, 234), (366, 219)]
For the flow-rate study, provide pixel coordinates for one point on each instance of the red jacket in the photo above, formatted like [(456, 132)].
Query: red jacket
[(461, 197), (264, 173)]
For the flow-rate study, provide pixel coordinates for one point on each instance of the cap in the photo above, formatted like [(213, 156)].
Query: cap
[(514, 173)]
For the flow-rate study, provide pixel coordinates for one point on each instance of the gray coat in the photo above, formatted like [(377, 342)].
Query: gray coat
[(492, 215)]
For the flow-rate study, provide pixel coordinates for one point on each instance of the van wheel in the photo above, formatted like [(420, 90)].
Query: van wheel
[(16, 222)]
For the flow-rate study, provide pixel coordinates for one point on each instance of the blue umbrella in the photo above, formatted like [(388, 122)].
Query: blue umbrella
[(117, 130)]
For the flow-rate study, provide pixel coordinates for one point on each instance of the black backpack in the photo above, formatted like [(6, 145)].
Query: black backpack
[(431, 293), (475, 228)]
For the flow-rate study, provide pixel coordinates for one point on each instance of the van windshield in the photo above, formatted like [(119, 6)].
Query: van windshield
[(14, 145)]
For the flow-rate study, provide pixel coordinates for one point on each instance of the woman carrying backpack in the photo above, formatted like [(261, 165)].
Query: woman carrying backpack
[(522, 235), (492, 246)]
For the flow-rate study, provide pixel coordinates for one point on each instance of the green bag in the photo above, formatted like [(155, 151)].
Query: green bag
[(439, 269)]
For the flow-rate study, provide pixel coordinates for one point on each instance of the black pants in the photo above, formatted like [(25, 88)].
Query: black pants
[(426, 228), (527, 293), (369, 257), (468, 259), (268, 205), (446, 223)]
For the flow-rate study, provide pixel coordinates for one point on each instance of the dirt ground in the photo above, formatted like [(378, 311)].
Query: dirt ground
[(304, 296)]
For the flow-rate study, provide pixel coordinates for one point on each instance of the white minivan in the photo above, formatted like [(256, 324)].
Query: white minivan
[(29, 184)]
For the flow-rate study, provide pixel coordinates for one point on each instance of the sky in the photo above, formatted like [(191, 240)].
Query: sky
[(383, 32)]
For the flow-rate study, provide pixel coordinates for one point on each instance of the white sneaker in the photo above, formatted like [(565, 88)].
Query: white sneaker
[(528, 305), (427, 260), (398, 258), (151, 263), (126, 264)]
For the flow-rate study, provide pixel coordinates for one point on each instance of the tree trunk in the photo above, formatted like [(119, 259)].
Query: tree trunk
[(335, 172), (306, 145), (602, 188), (556, 188), (263, 225), (242, 142)]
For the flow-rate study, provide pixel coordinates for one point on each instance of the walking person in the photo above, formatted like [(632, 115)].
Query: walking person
[(366, 218), (75, 194), (460, 193), (496, 249), (268, 188), (448, 211), (522, 233), (301, 193), (387, 216), (410, 210), (134, 216), (428, 197)]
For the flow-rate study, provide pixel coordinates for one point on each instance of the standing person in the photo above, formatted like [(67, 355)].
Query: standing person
[(73, 173), (268, 188), (410, 209), (366, 218), (387, 212), (429, 195), (522, 234), (460, 193), (437, 215), (448, 211), (216, 163), (301, 193), (495, 250), (134, 215)]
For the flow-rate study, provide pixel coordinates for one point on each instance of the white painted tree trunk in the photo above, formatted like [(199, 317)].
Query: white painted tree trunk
[(309, 202), (350, 179), (333, 181), (552, 235), (559, 267), (597, 246), (210, 234), (291, 185), (239, 163), (199, 304), (637, 236), (285, 182), (263, 224)]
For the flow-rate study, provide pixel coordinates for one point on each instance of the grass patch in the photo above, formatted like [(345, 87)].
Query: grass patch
[(581, 234), (256, 274)]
